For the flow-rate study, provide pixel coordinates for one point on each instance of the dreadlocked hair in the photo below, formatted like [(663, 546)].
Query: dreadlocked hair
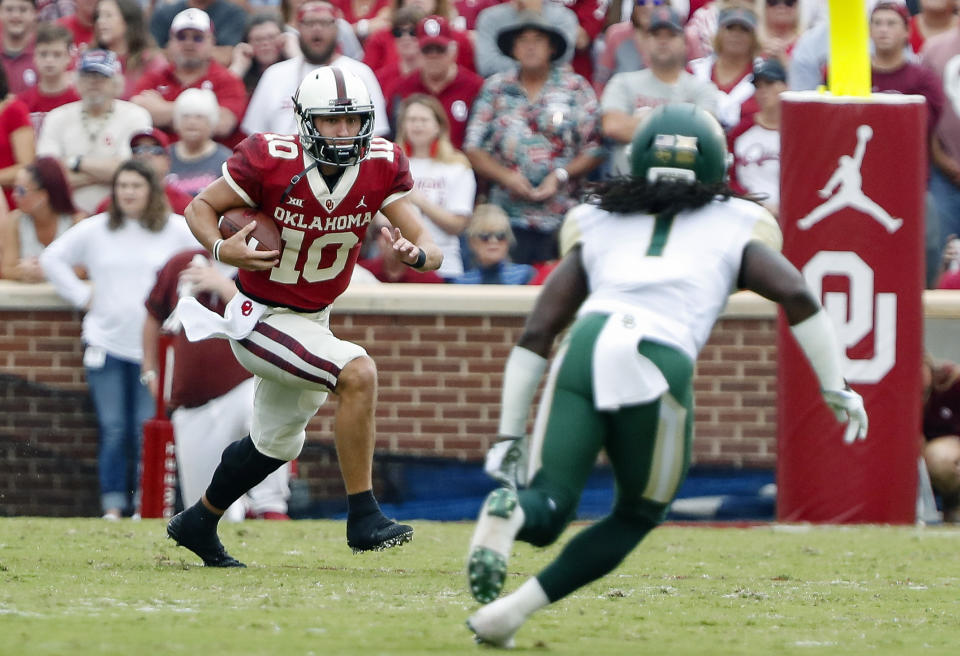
[(629, 194)]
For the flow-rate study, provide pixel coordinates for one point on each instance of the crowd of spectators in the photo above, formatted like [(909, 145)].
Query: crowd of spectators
[(516, 103)]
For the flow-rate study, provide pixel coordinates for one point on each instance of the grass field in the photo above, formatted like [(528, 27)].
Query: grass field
[(85, 586)]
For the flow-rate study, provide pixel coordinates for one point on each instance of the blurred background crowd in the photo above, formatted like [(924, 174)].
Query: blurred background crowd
[(507, 110)]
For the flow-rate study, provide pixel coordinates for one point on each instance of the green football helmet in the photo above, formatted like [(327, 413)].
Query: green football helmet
[(679, 142)]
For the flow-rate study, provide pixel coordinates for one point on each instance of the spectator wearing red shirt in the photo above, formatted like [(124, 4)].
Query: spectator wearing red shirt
[(80, 24), (16, 138), (192, 66), (54, 87), (440, 76), (17, 33), (381, 48), (365, 16), (405, 57), (591, 16)]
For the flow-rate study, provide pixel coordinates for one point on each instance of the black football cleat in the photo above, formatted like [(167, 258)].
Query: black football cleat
[(376, 533), (208, 547)]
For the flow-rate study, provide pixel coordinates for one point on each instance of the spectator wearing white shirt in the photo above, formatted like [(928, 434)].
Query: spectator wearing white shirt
[(444, 187), (122, 250), (91, 137), (271, 106)]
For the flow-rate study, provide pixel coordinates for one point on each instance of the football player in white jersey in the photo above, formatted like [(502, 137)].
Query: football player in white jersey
[(648, 267)]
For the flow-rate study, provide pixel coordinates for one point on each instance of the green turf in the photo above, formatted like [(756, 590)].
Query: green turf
[(85, 586)]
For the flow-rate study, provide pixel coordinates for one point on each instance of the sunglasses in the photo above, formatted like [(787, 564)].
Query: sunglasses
[(149, 150), (196, 37), (20, 190), (404, 31), (651, 3), (491, 236), (774, 3)]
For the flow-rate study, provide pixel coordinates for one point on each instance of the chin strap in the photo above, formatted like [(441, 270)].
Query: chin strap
[(297, 178)]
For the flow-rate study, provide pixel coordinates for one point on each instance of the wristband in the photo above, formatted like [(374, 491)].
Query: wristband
[(421, 260), (147, 376), (216, 249), (563, 175)]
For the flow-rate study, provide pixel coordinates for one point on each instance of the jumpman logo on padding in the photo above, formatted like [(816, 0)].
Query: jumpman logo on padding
[(850, 193)]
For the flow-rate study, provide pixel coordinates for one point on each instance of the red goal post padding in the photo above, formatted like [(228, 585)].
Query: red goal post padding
[(853, 179)]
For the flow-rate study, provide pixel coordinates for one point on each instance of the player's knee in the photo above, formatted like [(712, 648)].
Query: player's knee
[(642, 514), (942, 456), (358, 377), (547, 514)]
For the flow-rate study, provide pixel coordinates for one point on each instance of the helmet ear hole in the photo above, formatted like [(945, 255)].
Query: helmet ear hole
[(330, 91)]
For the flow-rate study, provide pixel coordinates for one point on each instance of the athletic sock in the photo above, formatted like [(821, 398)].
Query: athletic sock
[(361, 504)]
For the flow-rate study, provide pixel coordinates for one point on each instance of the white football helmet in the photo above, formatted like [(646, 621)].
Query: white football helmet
[(334, 91)]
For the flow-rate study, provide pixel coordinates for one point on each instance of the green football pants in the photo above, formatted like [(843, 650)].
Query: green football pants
[(648, 447)]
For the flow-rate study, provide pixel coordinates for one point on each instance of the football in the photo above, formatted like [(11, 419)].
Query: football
[(265, 237)]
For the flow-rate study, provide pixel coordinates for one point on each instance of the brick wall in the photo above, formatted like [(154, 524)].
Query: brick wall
[(440, 356)]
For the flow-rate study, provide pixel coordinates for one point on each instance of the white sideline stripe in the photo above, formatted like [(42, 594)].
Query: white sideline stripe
[(667, 460), (535, 459), (291, 357)]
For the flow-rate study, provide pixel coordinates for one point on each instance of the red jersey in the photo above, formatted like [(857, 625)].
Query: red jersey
[(202, 371), (229, 89), (82, 34), (39, 104), (457, 99), (322, 229)]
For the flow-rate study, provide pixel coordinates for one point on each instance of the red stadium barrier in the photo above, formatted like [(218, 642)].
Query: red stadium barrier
[(853, 178), (158, 481)]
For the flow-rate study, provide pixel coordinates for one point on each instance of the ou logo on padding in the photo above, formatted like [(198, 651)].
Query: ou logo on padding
[(857, 313), (246, 308)]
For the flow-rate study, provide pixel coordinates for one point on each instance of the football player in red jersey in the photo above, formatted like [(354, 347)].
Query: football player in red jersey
[(322, 187)]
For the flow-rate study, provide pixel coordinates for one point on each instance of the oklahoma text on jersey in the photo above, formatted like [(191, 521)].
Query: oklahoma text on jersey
[(322, 229)]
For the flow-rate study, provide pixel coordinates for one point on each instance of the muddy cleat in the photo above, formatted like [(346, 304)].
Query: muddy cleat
[(376, 534), (208, 547), (500, 519)]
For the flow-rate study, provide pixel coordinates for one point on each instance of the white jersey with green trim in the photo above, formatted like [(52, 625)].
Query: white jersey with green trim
[(672, 276)]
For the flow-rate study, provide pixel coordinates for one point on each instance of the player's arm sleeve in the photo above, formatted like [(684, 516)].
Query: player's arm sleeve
[(570, 233), (766, 230), (402, 181), (246, 168)]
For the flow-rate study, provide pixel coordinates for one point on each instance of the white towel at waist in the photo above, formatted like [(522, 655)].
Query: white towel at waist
[(621, 376), (238, 320)]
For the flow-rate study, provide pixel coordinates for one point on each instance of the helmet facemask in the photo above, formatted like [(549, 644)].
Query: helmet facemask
[(314, 98)]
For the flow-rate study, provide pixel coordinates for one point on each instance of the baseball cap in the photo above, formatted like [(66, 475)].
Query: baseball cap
[(737, 16), (665, 17), (433, 30), (769, 69), (893, 6), (99, 61), (153, 133), (191, 19)]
